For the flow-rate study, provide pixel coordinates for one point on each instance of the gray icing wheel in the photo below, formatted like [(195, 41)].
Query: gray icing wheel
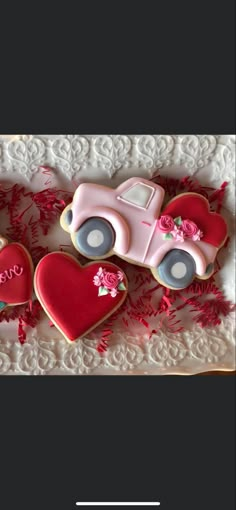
[(177, 269), (95, 238)]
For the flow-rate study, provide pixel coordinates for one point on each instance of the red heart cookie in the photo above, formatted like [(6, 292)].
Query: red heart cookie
[(196, 208), (16, 275), (72, 295)]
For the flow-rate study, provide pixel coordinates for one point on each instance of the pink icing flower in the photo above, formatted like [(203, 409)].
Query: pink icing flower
[(120, 276), (178, 234), (166, 224), (189, 228), (110, 280), (97, 281), (197, 236)]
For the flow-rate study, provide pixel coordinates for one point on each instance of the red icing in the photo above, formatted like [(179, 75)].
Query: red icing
[(68, 294), (15, 274), (196, 208)]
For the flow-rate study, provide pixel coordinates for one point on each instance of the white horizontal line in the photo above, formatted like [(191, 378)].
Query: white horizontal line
[(156, 503)]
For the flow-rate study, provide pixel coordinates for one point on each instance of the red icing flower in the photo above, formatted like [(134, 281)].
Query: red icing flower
[(109, 283), (191, 230), (166, 224), (110, 280), (178, 229)]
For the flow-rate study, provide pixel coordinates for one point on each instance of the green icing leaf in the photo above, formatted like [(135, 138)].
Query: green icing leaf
[(178, 220), (121, 286), (102, 291), (2, 305), (168, 236)]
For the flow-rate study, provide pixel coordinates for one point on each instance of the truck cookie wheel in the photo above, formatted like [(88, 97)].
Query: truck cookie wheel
[(177, 269), (95, 238), (68, 217)]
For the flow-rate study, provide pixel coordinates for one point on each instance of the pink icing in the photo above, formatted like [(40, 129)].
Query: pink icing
[(178, 229), (197, 236), (97, 280), (133, 239), (166, 224), (111, 282), (120, 276), (178, 234), (189, 228), (9, 273), (146, 223)]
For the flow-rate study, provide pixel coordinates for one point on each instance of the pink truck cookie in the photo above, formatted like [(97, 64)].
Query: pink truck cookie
[(178, 242)]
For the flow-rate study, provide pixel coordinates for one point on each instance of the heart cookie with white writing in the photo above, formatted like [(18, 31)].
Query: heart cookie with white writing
[(16, 274), (78, 298)]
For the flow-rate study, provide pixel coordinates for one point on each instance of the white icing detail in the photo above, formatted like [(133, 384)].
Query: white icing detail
[(179, 270), (95, 238), (140, 194)]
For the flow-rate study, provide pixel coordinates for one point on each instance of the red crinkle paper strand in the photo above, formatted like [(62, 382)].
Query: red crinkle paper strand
[(31, 215)]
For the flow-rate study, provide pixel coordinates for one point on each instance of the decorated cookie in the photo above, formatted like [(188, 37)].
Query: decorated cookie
[(78, 298), (16, 274), (177, 243)]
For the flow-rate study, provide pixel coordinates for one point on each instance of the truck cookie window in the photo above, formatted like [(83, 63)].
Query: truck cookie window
[(139, 195)]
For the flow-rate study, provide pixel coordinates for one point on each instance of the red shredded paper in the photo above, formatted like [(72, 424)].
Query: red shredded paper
[(32, 215)]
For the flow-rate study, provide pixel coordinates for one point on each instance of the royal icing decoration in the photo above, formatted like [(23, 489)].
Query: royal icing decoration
[(196, 208), (129, 221), (109, 283), (179, 229), (8, 274), (69, 296)]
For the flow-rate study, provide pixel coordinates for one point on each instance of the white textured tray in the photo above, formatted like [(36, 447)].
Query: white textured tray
[(110, 160)]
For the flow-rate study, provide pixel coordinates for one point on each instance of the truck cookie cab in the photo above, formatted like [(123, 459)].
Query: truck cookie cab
[(177, 244)]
